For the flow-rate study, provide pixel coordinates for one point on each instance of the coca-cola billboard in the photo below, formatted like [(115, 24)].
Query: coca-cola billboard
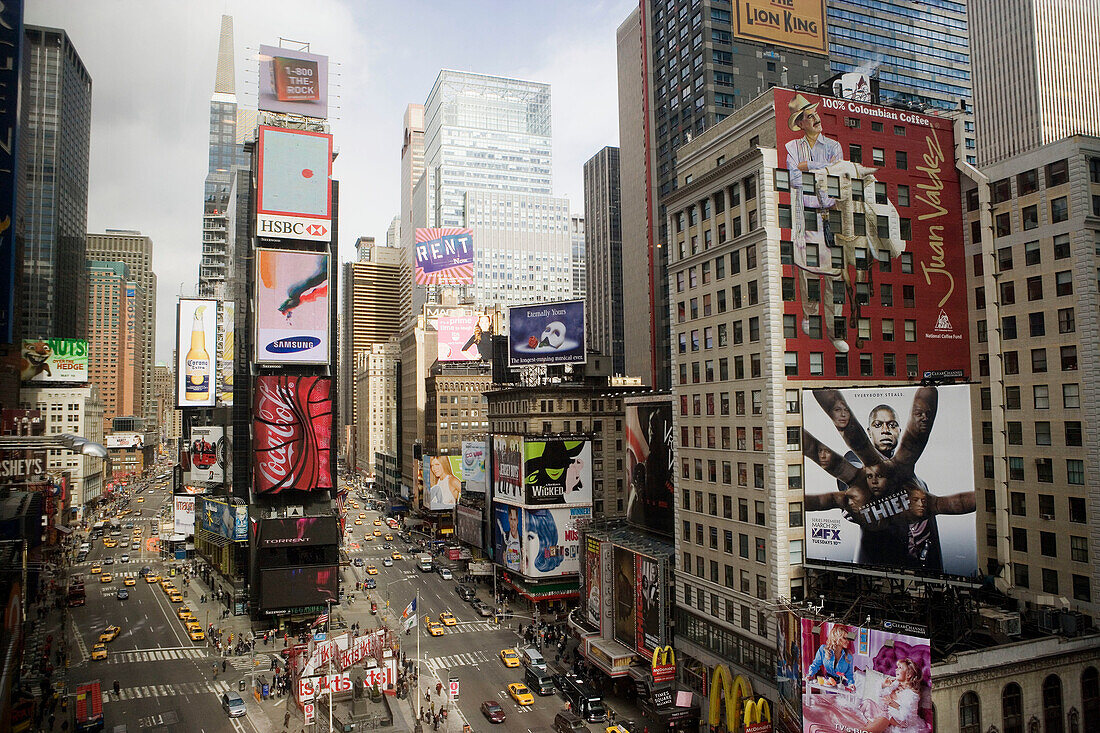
[(292, 434)]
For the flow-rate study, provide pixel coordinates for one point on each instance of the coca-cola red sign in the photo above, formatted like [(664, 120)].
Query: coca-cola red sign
[(292, 434)]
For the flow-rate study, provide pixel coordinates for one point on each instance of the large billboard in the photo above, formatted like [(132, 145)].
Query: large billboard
[(794, 24), (297, 587), (889, 479), (473, 466), (293, 82), (124, 440), (196, 352), (442, 482), (298, 532), (546, 333), (183, 514), (292, 434), (293, 186), (227, 351), (444, 256), (873, 221), (593, 587), (208, 450), (460, 338), (468, 525), (788, 671), (508, 468), (557, 472), (649, 465), (292, 307), (626, 602), (855, 678), (221, 518), (650, 589), (551, 541), (53, 360), (507, 530)]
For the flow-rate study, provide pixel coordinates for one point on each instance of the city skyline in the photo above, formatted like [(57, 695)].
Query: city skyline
[(140, 116)]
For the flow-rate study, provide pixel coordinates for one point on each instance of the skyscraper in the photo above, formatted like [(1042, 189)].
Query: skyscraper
[(114, 343), (1036, 71), (576, 236), (136, 251), (52, 217), (604, 256), (682, 68)]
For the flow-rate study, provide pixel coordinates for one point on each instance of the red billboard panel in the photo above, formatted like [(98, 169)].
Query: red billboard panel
[(292, 434), (870, 219)]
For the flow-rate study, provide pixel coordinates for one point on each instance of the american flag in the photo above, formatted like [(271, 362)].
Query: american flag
[(322, 619)]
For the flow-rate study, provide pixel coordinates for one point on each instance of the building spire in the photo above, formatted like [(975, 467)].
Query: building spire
[(224, 83)]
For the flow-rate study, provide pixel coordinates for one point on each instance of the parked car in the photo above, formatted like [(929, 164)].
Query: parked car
[(465, 592), (233, 705)]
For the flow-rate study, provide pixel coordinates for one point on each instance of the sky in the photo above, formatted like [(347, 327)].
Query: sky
[(152, 64)]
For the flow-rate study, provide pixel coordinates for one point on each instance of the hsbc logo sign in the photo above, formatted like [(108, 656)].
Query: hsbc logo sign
[(293, 227)]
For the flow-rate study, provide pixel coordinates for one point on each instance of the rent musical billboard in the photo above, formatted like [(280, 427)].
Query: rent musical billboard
[(444, 256)]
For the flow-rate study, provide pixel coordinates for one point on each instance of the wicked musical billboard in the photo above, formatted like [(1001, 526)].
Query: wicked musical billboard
[(869, 213), (557, 471)]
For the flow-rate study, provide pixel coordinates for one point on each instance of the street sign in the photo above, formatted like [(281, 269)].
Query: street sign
[(453, 687), (310, 710)]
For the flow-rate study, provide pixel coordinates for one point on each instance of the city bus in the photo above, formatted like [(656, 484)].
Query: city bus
[(88, 711), (76, 595)]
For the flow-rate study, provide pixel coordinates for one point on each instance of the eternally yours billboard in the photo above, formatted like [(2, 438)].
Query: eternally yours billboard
[(292, 434), (293, 82), (53, 360), (889, 478), (864, 679), (442, 482), (546, 333), (870, 217), (551, 541), (293, 186), (444, 256), (292, 307), (649, 456)]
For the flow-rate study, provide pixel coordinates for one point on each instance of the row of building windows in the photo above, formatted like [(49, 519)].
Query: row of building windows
[(1054, 717)]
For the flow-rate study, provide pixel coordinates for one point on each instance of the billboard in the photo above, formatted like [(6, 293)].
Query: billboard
[(296, 587), (298, 532), (444, 256), (208, 450), (551, 541), (183, 514), (864, 679), (508, 468), (460, 337), (557, 471), (649, 633), (293, 185), (292, 307), (220, 518), (592, 586), (53, 360), (473, 466), (468, 525), (795, 24), (507, 530), (293, 82), (124, 440), (626, 602), (227, 345), (442, 482), (649, 465), (788, 673), (196, 352), (546, 333), (889, 478), (874, 221), (292, 434)]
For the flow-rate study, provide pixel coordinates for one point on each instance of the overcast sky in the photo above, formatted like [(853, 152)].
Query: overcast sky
[(152, 64)]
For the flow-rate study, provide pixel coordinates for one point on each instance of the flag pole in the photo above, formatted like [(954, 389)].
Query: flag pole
[(416, 621)]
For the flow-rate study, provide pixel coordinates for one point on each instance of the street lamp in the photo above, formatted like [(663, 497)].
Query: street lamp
[(75, 443)]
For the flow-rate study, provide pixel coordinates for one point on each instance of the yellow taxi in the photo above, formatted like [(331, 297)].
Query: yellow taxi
[(389, 538), (368, 537), (150, 579), (175, 597), (96, 570), (432, 627), (362, 515), (105, 578), (110, 544), (378, 523), (519, 692), (140, 500), (358, 522), (129, 581), (185, 614), (110, 634), (99, 651), (509, 657), (371, 570), (395, 555), (195, 632), (377, 533), (448, 618), (165, 583)]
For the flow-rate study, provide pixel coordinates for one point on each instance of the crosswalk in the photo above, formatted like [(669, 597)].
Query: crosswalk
[(263, 662), (458, 660), (176, 688), (156, 655)]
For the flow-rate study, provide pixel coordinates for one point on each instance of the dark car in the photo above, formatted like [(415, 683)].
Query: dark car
[(145, 571), (122, 594), (465, 592), (371, 584), (357, 562), (492, 711)]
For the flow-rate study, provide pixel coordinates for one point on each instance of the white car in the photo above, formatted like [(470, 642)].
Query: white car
[(445, 573), (124, 558)]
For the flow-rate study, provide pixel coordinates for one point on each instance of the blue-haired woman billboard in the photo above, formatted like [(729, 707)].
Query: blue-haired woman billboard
[(551, 541)]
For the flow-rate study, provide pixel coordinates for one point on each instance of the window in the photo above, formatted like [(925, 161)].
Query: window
[(1018, 504), (1082, 592), (1036, 324), (1042, 433), (902, 160), (1073, 433), (1063, 283), (1069, 358), (1030, 216), (878, 156), (1035, 288), (1041, 395), (1061, 246), (1008, 327), (1048, 545), (1038, 361), (1004, 259), (903, 195), (1071, 395), (1075, 471), (1019, 539), (1059, 209), (970, 713), (1008, 292), (1012, 397), (1077, 510), (1079, 548), (1020, 575), (1057, 173), (1016, 468), (1012, 708), (1003, 224), (1032, 254), (1050, 581)]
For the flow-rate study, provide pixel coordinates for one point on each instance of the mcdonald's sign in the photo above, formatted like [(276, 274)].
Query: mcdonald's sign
[(757, 716), (663, 665), (736, 690)]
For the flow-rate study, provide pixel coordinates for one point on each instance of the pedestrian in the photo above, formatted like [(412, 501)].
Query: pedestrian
[(215, 666), (223, 665), (438, 688)]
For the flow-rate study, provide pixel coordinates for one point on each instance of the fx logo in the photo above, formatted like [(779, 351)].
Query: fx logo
[(821, 533)]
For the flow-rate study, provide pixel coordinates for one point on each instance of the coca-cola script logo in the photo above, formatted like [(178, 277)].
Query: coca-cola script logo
[(292, 434)]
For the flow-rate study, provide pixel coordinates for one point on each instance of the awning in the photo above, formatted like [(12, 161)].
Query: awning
[(544, 591), (63, 529)]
